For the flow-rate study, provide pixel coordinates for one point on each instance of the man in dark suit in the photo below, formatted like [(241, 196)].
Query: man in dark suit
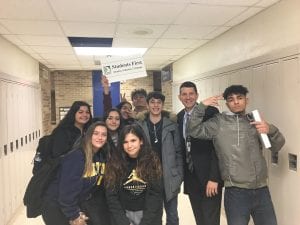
[(202, 180)]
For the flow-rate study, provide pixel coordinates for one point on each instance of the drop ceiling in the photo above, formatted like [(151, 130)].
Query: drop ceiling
[(169, 29)]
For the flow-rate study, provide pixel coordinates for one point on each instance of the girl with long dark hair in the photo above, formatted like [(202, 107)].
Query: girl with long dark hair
[(133, 180), (71, 127)]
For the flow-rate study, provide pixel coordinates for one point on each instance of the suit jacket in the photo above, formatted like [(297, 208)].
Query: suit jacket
[(204, 159)]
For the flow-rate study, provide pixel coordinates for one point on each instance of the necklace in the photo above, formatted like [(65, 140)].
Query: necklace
[(155, 134), (155, 131)]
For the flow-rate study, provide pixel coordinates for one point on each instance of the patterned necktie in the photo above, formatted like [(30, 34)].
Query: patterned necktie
[(188, 156)]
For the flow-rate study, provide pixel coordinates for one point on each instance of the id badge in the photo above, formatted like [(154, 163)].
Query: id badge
[(188, 144)]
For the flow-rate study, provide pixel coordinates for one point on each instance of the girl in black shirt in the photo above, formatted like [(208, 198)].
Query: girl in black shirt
[(133, 180)]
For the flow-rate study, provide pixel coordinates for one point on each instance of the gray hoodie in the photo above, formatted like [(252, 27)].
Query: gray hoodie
[(172, 162), (237, 145)]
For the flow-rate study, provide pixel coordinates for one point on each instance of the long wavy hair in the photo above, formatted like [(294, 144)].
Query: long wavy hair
[(87, 147), (69, 119), (148, 164)]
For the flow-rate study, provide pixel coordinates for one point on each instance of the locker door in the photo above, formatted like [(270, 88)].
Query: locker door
[(223, 83), (208, 84), (9, 160), (290, 93), (2, 142), (258, 93), (6, 204), (272, 87), (289, 125)]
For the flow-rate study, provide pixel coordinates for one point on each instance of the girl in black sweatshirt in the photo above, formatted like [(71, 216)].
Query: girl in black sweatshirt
[(133, 181)]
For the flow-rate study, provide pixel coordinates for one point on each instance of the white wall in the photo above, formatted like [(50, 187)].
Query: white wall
[(257, 55), (15, 62), (20, 120), (274, 28)]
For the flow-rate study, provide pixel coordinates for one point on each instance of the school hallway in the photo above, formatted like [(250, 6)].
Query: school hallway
[(212, 43), (186, 216)]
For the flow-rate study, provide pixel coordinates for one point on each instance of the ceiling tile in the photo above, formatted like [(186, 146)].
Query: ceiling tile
[(162, 1), (168, 28), (36, 56), (33, 27), (85, 58), (149, 57), (51, 56), (196, 14), (185, 31), (3, 30), (185, 52), (63, 63), (91, 10), (266, 3), (88, 63), (140, 31), (164, 51), (198, 44), (27, 49), (216, 32), (176, 57), (227, 2), (44, 40), (88, 29), (158, 63), (59, 66), (45, 62), (244, 16), (53, 49), (13, 39), (174, 43), (133, 42), (31, 9), (149, 12)]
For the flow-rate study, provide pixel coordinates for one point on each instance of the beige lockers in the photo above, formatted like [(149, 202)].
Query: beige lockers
[(274, 85), (20, 121)]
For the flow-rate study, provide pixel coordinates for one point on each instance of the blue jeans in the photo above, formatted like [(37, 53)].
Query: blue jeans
[(240, 203), (171, 211)]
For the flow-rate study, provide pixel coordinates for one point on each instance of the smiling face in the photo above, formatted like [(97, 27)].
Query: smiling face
[(82, 116), (188, 97), (237, 103), (113, 121), (155, 106), (99, 137), (132, 145), (126, 110)]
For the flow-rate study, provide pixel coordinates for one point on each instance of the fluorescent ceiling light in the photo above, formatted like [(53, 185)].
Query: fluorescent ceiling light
[(109, 51)]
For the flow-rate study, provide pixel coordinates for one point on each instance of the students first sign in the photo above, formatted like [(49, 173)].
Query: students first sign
[(123, 68)]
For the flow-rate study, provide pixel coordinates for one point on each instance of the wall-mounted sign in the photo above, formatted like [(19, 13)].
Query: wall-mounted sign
[(123, 68), (63, 111)]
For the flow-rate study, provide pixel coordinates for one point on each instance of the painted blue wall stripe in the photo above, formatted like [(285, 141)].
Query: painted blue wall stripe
[(98, 94)]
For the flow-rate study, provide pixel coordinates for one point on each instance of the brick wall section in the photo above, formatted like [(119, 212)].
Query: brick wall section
[(77, 85), (147, 83), (166, 89), (72, 86), (45, 83), (144, 82)]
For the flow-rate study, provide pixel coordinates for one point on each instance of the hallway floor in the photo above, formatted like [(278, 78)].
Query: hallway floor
[(185, 215)]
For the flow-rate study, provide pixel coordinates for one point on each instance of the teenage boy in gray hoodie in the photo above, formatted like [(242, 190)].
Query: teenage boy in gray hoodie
[(241, 161)]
